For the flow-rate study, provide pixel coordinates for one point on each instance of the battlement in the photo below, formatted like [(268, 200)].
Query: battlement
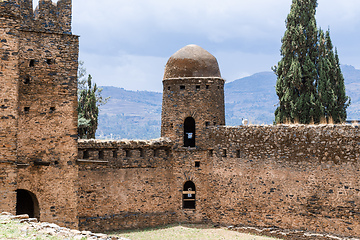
[(125, 153), (47, 17)]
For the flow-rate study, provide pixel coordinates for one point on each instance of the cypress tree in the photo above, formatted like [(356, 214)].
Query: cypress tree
[(310, 85)]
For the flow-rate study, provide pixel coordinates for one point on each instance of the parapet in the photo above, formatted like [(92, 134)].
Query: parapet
[(47, 17)]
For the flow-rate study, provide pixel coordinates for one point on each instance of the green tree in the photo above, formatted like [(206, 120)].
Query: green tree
[(308, 73), (89, 101)]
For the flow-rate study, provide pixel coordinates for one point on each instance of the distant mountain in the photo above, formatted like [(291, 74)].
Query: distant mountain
[(137, 114)]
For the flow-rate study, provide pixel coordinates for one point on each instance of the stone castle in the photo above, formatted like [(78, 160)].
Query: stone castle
[(288, 176)]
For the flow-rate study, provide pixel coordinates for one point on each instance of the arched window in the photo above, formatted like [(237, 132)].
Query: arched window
[(26, 203), (189, 193), (189, 132)]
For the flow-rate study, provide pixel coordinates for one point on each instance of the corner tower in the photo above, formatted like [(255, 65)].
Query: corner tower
[(193, 96)]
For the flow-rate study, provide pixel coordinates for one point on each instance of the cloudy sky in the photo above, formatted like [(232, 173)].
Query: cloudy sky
[(127, 43)]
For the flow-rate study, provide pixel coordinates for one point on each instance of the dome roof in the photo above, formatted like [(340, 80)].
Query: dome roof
[(192, 61)]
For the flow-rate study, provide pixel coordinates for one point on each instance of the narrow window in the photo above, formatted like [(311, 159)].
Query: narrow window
[(197, 87), (127, 153), (214, 123), (167, 152), (101, 154), (197, 164), (52, 109), (189, 193), (224, 153), (207, 124), (207, 86), (238, 153), (114, 153), (169, 88), (86, 154), (189, 132), (50, 61), (156, 152), (182, 87), (211, 152), (32, 63), (26, 109), (141, 152)]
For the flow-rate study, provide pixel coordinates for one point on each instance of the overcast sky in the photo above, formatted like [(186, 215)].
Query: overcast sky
[(127, 43)]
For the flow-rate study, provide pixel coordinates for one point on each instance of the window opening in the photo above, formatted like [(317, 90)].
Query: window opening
[(52, 109), (182, 87), (238, 153), (189, 193), (27, 80), (189, 132), (26, 109), (101, 154), (156, 152), (197, 87), (114, 153), (169, 88), (224, 153), (86, 154), (32, 63), (127, 153), (197, 164), (50, 61), (207, 86), (211, 153), (207, 124)]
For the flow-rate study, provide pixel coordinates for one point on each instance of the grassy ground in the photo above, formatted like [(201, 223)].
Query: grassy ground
[(16, 230), (185, 232)]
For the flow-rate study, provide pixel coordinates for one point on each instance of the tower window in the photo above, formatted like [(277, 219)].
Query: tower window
[(207, 124), (197, 164), (86, 154), (189, 132), (211, 152), (32, 63), (114, 153), (224, 153), (156, 152), (101, 154), (238, 153), (207, 86), (26, 109), (127, 153), (141, 152), (169, 88), (197, 87), (50, 61), (182, 87), (52, 109), (27, 80)]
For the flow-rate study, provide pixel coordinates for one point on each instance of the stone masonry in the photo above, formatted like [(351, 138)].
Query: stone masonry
[(299, 177)]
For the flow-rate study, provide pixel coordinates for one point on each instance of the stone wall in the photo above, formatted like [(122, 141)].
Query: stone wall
[(293, 177), (125, 184)]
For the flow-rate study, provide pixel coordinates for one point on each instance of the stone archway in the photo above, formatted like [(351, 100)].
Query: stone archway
[(189, 193), (27, 203)]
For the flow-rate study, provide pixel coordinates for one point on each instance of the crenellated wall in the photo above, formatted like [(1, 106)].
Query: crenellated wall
[(125, 184)]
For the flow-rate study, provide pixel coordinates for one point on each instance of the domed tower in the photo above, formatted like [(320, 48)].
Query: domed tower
[(193, 96)]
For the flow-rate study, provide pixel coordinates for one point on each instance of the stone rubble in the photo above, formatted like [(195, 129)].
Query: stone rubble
[(53, 229)]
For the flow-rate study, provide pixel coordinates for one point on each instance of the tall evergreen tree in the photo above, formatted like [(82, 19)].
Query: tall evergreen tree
[(307, 72)]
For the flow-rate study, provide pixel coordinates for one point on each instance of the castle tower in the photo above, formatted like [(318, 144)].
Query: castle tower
[(38, 100), (193, 97)]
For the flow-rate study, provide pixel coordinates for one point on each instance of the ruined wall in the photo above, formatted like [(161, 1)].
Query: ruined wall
[(293, 177), (39, 99), (125, 184)]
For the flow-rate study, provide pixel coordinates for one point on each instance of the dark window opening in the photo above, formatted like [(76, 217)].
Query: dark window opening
[(238, 153), (114, 153), (26, 203), (197, 87), (141, 152), (218, 87), (182, 87), (189, 193), (50, 61), (207, 124), (167, 151), (26, 109), (207, 86), (52, 109), (214, 123), (86, 155), (197, 164), (101, 154), (189, 132), (32, 63), (169, 88), (224, 153), (27, 80), (127, 153), (211, 153), (56, 162), (156, 152)]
